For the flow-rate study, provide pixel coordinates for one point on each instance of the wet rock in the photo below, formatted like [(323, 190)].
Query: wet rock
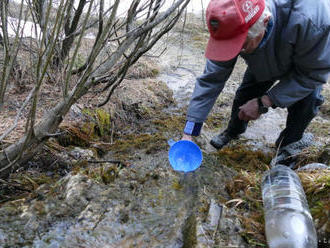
[(314, 166), (207, 231), (2, 237), (76, 192), (214, 215), (76, 111), (82, 154), (230, 227)]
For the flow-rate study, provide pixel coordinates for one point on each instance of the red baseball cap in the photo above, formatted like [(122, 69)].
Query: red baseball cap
[(228, 22)]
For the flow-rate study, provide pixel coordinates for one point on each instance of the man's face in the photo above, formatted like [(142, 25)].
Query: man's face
[(251, 44)]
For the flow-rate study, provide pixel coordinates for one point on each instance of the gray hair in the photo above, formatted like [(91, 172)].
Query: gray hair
[(259, 25)]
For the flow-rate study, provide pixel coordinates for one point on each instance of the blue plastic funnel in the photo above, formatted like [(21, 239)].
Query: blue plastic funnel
[(184, 155)]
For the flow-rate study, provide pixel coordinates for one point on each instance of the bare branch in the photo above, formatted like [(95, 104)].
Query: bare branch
[(106, 62), (10, 50)]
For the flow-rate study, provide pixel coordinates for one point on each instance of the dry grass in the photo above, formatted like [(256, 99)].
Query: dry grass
[(144, 68), (245, 191), (317, 185), (240, 157), (195, 28)]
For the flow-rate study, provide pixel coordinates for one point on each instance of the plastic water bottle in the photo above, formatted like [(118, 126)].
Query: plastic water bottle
[(288, 222)]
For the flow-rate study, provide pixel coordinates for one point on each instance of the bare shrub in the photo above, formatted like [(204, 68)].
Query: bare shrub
[(119, 42)]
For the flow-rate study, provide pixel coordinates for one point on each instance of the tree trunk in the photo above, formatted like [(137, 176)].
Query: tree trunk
[(29, 147), (71, 28)]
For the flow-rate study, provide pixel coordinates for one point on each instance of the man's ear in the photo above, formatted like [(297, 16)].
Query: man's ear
[(266, 20)]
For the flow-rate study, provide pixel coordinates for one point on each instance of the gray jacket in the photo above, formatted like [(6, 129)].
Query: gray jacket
[(296, 52)]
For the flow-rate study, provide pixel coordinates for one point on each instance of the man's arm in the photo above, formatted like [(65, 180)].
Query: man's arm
[(207, 89), (311, 67)]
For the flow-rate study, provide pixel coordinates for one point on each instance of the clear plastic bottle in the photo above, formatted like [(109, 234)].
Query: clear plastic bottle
[(288, 222)]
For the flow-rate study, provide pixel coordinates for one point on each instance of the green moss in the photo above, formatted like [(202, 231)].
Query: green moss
[(89, 129), (101, 122), (102, 174), (239, 157), (251, 241), (83, 134), (30, 181), (149, 143), (170, 124), (216, 121), (124, 148), (79, 166), (154, 72), (176, 185), (109, 175)]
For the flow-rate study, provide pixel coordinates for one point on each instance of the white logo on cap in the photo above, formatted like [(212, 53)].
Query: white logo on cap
[(247, 7)]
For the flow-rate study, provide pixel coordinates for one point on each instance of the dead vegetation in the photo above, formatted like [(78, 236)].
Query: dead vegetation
[(245, 191)]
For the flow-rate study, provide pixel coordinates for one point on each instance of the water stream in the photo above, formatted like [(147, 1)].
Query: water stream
[(180, 64)]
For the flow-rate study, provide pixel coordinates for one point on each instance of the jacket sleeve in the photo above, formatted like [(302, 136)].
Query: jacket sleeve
[(311, 64), (207, 89)]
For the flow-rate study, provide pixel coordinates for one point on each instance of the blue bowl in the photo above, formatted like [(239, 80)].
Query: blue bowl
[(185, 155)]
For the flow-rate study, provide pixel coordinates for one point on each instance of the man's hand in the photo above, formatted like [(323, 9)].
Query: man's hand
[(249, 111), (187, 137)]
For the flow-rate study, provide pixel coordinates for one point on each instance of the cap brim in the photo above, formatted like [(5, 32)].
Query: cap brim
[(224, 50)]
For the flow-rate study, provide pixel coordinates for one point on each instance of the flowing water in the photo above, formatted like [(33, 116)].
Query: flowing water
[(180, 64)]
